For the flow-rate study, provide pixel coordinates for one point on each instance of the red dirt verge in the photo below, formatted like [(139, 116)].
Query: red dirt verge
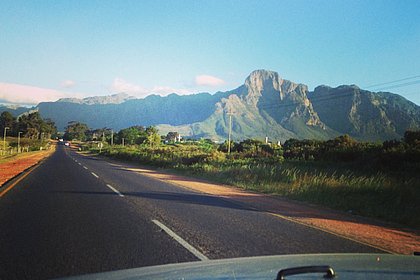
[(14, 166)]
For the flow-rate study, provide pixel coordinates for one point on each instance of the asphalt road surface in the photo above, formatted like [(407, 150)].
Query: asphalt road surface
[(75, 214)]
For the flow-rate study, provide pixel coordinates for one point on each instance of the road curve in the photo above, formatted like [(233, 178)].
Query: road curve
[(76, 214)]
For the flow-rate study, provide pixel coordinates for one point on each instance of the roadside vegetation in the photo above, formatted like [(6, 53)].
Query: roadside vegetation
[(378, 180), (27, 133)]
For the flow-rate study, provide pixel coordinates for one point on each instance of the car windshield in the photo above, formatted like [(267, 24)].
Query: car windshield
[(151, 132)]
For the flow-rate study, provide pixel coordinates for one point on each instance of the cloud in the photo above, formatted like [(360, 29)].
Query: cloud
[(207, 80), (121, 85), (163, 90), (68, 84), (29, 95)]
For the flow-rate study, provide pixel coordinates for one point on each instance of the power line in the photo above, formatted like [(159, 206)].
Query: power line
[(392, 82), (344, 94), (399, 85)]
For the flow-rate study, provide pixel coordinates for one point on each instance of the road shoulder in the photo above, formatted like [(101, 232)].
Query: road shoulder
[(12, 168)]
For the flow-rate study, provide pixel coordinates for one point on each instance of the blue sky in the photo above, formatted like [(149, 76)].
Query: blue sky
[(53, 49)]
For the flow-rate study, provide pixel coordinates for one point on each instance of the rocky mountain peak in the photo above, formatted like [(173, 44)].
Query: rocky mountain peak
[(259, 80)]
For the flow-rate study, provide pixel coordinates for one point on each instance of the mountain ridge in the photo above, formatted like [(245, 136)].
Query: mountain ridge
[(264, 105)]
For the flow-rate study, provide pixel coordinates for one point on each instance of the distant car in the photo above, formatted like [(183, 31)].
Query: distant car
[(67, 144)]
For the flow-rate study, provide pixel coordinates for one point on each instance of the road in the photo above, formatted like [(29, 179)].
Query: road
[(75, 214)]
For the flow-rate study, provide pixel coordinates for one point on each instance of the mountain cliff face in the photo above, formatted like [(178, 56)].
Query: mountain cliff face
[(265, 105), (363, 114)]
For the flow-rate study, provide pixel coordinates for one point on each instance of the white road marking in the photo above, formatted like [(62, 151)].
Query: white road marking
[(79, 163), (94, 175), (85, 167), (181, 241), (115, 190)]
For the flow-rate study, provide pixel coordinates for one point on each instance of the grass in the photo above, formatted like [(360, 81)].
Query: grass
[(374, 195), (345, 186)]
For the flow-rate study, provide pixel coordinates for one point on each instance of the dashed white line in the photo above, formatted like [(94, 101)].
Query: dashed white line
[(115, 190), (79, 163), (85, 167), (181, 241), (94, 174)]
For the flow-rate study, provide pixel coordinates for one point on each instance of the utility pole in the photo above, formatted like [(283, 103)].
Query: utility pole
[(230, 130), (112, 137), (4, 138), (123, 142), (19, 141)]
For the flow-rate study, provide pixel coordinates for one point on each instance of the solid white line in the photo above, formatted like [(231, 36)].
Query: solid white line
[(85, 167), (94, 175), (115, 190), (181, 241)]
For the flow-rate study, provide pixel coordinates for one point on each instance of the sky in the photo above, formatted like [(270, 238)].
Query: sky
[(80, 48)]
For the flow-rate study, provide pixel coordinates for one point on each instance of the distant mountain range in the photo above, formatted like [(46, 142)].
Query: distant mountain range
[(265, 105)]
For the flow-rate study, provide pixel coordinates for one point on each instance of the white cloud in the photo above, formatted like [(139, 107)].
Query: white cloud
[(29, 95), (163, 90), (121, 85), (207, 80), (68, 84)]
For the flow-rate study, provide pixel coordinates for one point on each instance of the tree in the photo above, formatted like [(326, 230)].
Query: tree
[(32, 125), (48, 128), (172, 136), (412, 137), (7, 120), (133, 134), (151, 130), (153, 138), (76, 130)]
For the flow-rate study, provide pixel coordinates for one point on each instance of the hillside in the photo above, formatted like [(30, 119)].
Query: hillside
[(265, 105)]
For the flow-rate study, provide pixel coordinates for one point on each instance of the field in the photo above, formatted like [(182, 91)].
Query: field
[(354, 187)]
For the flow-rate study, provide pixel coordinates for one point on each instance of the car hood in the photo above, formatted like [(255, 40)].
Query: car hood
[(345, 266)]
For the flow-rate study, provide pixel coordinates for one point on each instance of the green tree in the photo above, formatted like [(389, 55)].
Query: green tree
[(7, 120), (31, 125), (76, 130), (132, 135), (172, 136), (153, 137), (153, 140), (48, 128), (412, 137), (151, 130)]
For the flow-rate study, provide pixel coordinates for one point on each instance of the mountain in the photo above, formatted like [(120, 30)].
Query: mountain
[(14, 109), (363, 114), (265, 105)]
